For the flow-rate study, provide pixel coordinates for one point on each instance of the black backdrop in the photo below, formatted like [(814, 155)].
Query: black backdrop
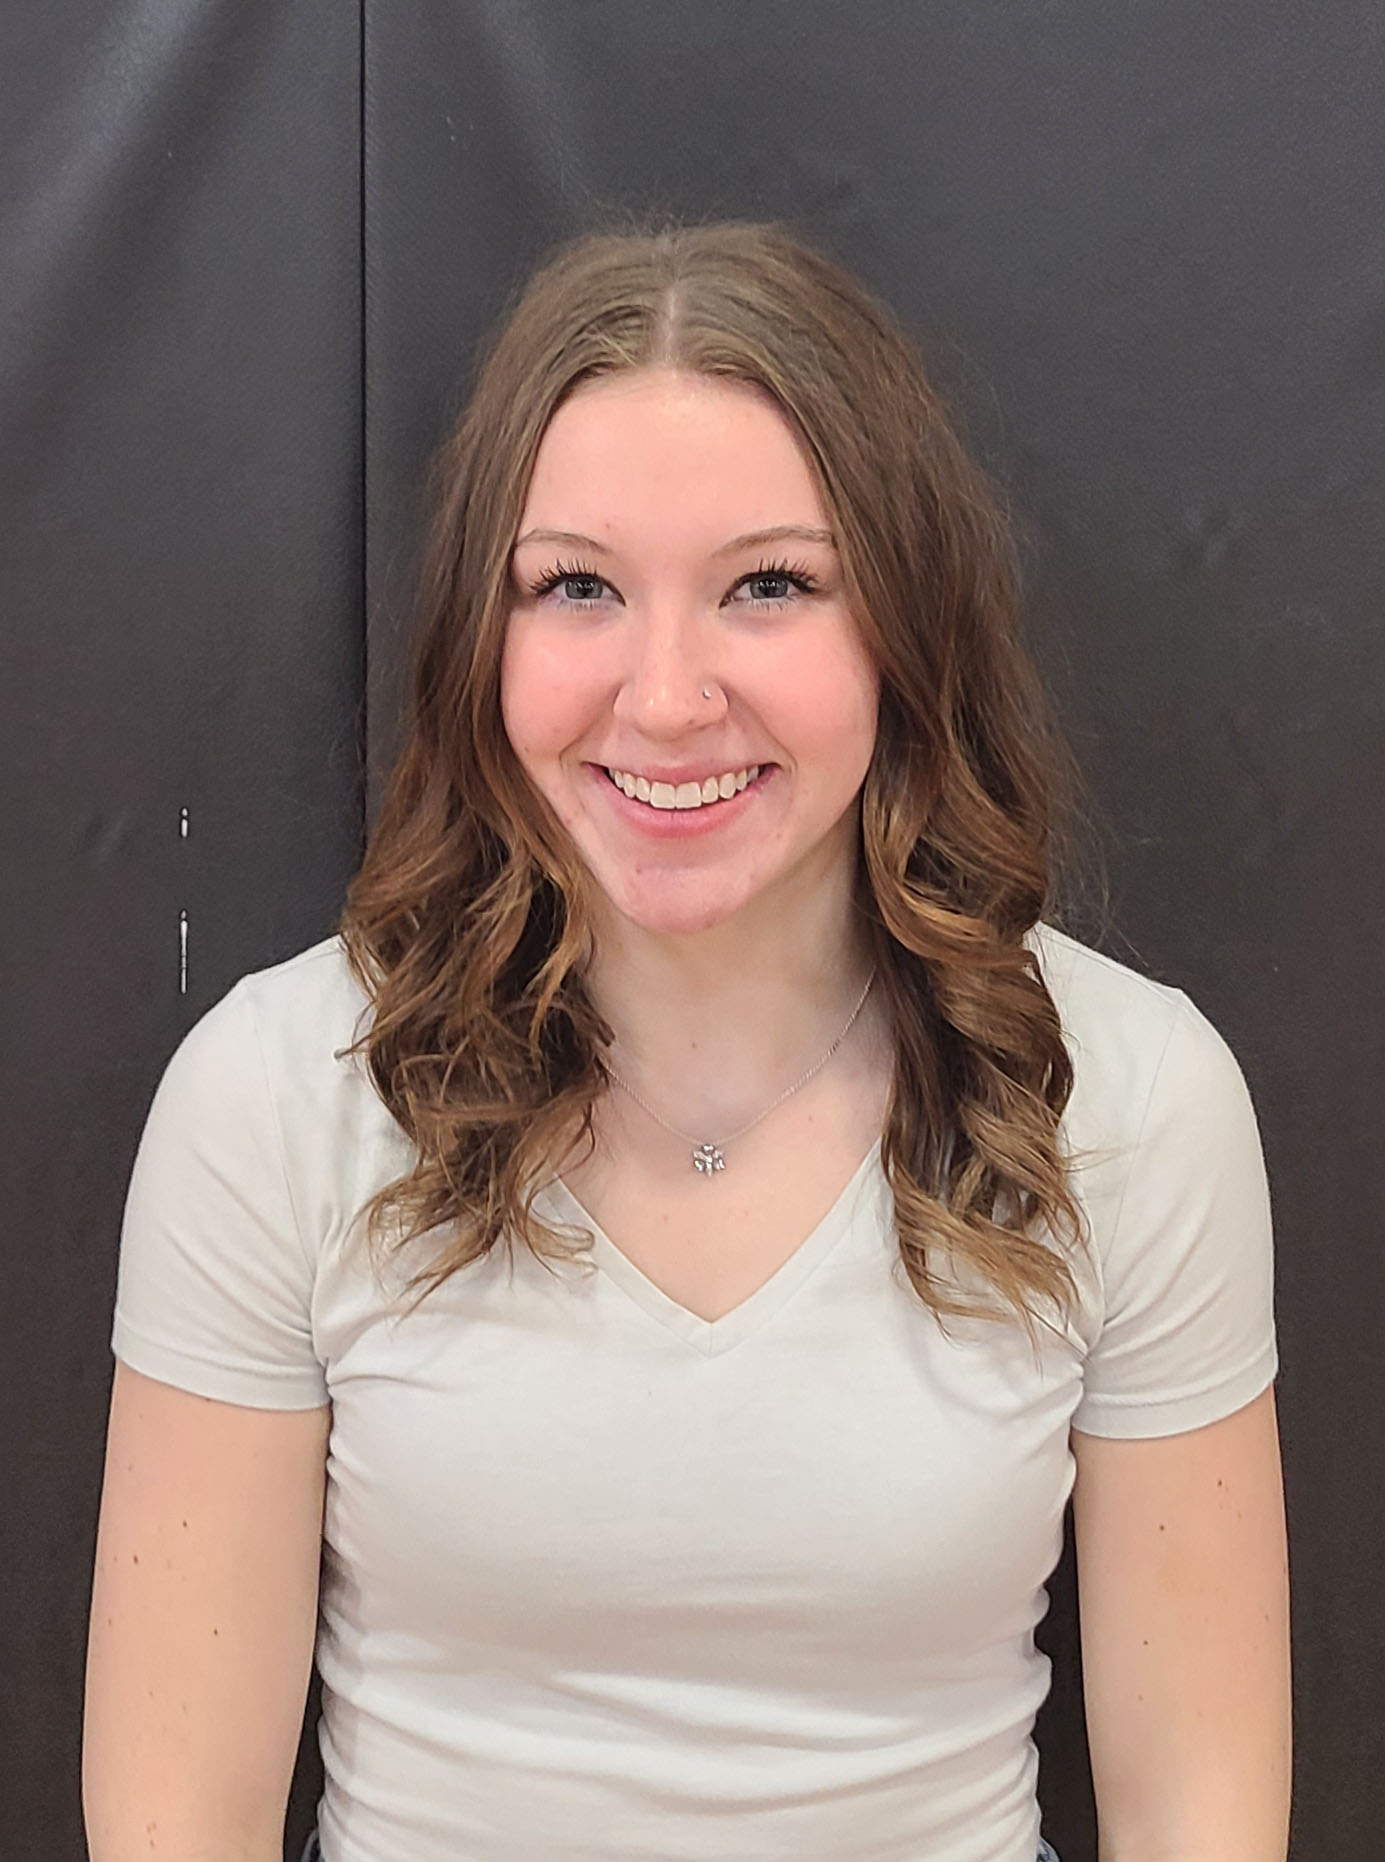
[(246, 249)]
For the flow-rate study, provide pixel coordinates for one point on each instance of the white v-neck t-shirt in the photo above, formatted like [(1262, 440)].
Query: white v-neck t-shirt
[(605, 1582)]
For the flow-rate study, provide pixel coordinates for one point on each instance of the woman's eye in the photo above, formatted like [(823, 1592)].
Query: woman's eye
[(773, 588), (776, 583), (579, 586)]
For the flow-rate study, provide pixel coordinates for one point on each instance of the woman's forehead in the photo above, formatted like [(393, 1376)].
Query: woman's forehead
[(652, 451)]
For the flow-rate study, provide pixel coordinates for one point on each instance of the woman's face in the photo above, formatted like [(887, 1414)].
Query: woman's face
[(659, 591)]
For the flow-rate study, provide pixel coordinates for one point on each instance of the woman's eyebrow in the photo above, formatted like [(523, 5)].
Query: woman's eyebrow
[(776, 533)]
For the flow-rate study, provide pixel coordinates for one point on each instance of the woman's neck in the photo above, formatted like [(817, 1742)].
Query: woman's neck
[(699, 1033)]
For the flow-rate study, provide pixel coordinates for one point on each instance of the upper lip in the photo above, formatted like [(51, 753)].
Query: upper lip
[(663, 772)]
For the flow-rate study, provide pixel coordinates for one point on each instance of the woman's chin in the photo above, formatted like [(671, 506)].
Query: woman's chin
[(673, 910)]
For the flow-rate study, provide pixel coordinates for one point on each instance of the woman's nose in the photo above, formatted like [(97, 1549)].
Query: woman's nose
[(666, 677)]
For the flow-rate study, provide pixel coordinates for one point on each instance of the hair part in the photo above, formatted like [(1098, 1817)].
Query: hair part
[(469, 923)]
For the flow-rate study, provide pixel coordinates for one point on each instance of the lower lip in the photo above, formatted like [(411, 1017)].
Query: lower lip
[(680, 823)]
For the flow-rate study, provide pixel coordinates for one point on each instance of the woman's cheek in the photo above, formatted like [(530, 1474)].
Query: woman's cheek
[(540, 699)]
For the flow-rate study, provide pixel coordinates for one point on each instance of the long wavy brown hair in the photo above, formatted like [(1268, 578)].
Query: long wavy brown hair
[(468, 924)]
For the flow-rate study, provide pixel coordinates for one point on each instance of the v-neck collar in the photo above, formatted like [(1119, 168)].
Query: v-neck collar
[(713, 1336)]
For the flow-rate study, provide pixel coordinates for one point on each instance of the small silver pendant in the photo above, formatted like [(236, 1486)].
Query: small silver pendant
[(707, 1158)]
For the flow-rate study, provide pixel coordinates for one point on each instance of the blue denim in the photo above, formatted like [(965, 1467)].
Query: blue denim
[(312, 1851)]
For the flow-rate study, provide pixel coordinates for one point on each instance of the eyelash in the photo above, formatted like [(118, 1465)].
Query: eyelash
[(796, 573)]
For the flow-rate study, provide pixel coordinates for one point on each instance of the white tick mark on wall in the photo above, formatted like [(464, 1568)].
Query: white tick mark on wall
[(183, 919)]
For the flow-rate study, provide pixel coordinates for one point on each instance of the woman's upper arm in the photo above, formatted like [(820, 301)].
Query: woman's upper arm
[(1183, 1591), (203, 1620)]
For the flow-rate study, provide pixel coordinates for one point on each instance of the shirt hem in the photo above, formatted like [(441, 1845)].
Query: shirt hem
[(1118, 1418), (204, 1377)]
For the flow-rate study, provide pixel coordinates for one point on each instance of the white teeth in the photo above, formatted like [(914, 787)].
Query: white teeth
[(687, 794)]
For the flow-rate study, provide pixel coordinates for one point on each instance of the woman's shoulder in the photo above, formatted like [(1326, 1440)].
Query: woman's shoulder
[(1087, 973), (1104, 1005), (1149, 1067), (293, 1020), (1120, 1028), (313, 988)]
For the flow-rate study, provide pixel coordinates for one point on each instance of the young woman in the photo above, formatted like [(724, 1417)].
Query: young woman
[(675, 1251)]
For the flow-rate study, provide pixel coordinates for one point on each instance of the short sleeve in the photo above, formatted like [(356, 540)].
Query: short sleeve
[(214, 1288), (1188, 1334)]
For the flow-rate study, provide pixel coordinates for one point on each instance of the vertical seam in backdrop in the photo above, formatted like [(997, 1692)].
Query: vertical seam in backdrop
[(363, 733)]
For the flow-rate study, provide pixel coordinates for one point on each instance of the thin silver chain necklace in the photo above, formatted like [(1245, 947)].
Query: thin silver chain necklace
[(707, 1158)]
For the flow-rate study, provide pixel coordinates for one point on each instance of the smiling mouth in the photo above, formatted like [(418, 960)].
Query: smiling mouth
[(674, 798)]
